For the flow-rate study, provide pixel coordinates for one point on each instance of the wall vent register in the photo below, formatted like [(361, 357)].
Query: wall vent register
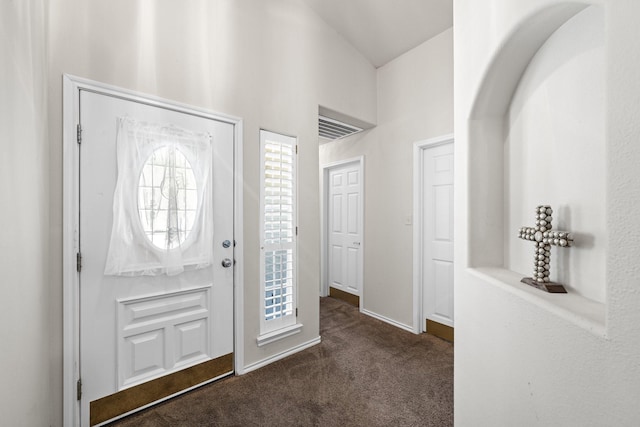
[(335, 129)]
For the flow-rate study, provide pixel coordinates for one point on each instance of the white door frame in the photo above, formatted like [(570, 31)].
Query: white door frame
[(324, 205), (70, 227), (418, 222)]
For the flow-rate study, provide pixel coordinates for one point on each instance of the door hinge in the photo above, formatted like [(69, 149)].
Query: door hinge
[(296, 311), (296, 149), (79, 389), (79, 133), (296, 231), (78, 262)]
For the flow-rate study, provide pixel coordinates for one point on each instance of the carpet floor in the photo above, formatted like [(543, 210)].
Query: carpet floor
[(364, 373)]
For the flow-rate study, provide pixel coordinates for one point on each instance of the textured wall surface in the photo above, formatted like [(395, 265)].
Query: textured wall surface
[(24, 215), (522, 359)]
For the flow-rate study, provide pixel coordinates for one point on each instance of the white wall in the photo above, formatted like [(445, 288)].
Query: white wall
[(24, 166), (524, 357), (270, 63), (415, 94)]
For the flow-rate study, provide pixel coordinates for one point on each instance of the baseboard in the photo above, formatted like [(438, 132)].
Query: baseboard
[(439, 330), (352, 299), (264, 362), (389, 321)]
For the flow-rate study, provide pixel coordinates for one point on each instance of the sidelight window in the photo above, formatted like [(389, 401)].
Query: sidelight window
[(278, 231)]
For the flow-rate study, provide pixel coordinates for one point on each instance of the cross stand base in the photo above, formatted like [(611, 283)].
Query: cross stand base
[(551, 287)]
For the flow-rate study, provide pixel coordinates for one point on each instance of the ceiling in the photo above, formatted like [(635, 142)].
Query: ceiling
[(385, 29)]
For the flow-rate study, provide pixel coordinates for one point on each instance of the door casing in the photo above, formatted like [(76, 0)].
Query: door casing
[(324, 254), (418, 223), (71, 301)]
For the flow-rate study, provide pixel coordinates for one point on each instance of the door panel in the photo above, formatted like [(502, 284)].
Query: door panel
[(443, 297), (353, 256), (336, 218), (335, 265), (134, 330), (437, 239), (345, 225), (442, 201), (352, 217), (159, 334)]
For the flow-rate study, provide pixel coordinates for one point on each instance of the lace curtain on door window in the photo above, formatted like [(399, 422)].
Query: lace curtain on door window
[(162, 205)]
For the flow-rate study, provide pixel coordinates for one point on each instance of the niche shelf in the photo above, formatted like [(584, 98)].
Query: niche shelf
[(575, 308)]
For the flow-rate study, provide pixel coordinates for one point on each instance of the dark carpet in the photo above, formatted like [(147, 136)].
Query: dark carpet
[(364, 373)]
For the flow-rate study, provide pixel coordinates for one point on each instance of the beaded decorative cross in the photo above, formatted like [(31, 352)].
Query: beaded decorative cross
[(544, 238)]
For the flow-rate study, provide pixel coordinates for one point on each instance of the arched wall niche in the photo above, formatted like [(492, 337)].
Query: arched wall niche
[(555, 153), (492, 162)]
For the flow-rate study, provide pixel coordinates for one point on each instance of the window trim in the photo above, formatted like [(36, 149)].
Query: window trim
[(278, 334), (275, 329)]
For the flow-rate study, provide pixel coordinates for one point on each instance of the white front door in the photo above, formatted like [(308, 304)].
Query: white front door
[(437, 239), (144, 338), (344, 224)]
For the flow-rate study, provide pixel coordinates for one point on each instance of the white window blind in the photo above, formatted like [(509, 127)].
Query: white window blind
[(278, 231)]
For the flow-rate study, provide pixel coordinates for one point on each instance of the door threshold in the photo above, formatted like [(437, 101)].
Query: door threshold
[(138, 397), (352, 299), (439, 330)]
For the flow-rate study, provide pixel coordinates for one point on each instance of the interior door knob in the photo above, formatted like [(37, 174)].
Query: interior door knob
[(226, 263)]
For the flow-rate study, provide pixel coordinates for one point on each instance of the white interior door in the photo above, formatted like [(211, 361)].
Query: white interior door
[(437, 229), (344, 224), (137, 330)]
